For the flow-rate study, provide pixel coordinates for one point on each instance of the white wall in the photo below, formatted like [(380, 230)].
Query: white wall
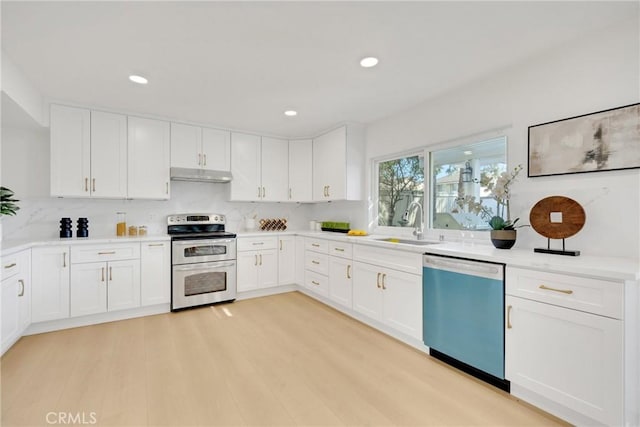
[(591, 74), (21, 91), (25, 169)]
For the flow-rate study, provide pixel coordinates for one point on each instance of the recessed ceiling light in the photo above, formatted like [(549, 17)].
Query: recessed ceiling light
[(138, 79), (369, 62), (290, 113), (468, 153)]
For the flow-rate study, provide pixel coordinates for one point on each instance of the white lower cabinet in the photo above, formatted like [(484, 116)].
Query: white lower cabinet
[(98, 287), (155, 273), (257, 263), (567, 356), (15, 297), (341, 280), (389, 296), (286, 260), (50, 268)]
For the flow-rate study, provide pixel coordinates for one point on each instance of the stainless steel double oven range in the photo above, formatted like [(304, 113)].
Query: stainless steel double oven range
[(203, 260)]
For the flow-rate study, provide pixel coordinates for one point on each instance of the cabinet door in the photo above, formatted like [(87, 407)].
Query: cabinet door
[(10, 291), (402, 302), (108, 155), (570, 357), (123, 284), (88, 288), (275, 170), (49, 283), (245, 167), (286, 260), (24, 293), (341, 281), (149, 154), (367, 290), (186, 146), (329, 165), (268, 268), (155, 273), (70, 151), (300, 171), (216, 149), (247, 268)]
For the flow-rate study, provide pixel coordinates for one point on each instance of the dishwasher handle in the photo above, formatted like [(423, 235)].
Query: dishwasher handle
[(474, 268)]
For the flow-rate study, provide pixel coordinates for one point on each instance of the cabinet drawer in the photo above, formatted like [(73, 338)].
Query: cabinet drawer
[(95, 253), (316, 282), (11, 265), (316, 262), (317, 245), (343, 250), (391, 258), (595, 296), (257, 243)]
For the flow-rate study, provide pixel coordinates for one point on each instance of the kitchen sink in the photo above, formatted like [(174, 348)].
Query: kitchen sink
[(408, 241)]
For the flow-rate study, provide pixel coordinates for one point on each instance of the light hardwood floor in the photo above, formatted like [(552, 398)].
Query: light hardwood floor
[(280, 360)]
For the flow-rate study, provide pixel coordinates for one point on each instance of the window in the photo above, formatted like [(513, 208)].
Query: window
[(400, 183), (459, 177)]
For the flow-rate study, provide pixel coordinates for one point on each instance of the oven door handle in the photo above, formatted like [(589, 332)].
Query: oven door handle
[(201, 242), (203, 266)]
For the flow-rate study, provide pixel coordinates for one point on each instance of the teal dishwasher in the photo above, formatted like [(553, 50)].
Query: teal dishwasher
[(463, 315)]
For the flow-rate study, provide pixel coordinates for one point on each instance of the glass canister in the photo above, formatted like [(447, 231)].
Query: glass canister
[(121, 223)]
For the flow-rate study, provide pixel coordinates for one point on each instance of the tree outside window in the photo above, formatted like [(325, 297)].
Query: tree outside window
[(400, 182)]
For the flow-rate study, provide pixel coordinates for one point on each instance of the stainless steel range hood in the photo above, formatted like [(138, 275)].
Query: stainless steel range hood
[(200, 175)]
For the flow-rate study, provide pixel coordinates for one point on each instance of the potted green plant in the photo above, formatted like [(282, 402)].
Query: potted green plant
[(503, 229), (7, 202)]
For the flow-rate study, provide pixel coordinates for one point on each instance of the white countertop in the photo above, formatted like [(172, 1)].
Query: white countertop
[(617, 268), (12, 246)]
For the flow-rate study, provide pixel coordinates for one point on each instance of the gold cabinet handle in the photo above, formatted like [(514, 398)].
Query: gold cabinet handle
[(86, 184), (255, 262), (315, 245), (21, 287), (315, 283), (167, 188), (290, 194), (64, 260), (260, 259), (107, 253), (328, 191), (93, 185), (384, 277), (156, 244), (110, 273), (263, 193), (280, 244), (204, 156), (509, 317), (13, 264), (315, 262), (564, 291), (348, 271), (199, 159), (102, 280), (378, 281), (338, 249), (257, 243)]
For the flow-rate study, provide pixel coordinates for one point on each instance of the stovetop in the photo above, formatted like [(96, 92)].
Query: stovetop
[(197, 226)]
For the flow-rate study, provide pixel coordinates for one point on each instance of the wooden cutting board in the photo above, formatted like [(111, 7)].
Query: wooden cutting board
[(573, 217)]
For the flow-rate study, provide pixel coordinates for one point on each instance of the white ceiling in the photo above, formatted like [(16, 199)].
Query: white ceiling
[(239, 65)]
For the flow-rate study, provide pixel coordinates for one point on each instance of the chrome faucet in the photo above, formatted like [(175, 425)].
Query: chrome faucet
[(418, 231)]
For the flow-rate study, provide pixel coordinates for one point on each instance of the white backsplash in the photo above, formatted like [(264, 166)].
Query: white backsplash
[(39, 218)]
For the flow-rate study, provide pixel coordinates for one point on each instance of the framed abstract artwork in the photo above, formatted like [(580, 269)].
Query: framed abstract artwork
[(601, 141)]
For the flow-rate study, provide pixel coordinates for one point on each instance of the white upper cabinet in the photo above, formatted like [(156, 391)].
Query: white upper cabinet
[(108, 155), (300, 171), (70, 151), (338, 164), (275, 173), (149, 158), (186, 146), (200, 148), (245, 167), (216, 149)]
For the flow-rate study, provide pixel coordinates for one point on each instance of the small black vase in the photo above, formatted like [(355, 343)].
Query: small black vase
[(83, 227), (503, 239), (65, 228)]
